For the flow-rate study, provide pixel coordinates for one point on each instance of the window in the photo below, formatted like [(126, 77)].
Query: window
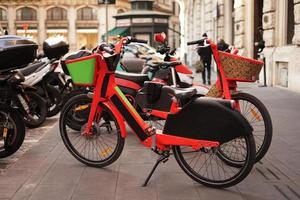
[(26, 14), (142, 5), (3, 16), (174, 7), (56, 14), (290, 22), (86, 13)]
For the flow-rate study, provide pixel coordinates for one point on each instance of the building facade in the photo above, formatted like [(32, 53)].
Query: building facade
[(238, 23), (144, 20), (81, 22)]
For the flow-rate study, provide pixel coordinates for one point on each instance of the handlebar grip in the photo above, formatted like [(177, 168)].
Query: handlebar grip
[(196, 42), (133, 39), (104, 47), (142, 41)]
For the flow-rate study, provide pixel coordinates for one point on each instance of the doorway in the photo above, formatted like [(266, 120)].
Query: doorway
[(258, 15)]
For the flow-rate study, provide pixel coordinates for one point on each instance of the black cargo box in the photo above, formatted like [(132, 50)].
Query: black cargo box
[(55, 48), (16, 52)]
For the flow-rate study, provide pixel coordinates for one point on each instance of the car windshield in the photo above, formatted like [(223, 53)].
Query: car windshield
[(143, 48)]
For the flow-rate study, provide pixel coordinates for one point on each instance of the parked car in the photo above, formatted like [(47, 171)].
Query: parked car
[(144, 50)]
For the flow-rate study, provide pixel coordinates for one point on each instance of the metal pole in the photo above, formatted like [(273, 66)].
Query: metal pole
[(265, 72), (106, 19), (263, 58)]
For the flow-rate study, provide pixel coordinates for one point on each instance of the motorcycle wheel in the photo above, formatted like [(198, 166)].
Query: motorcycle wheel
[(12, 125), (77, 118), (37, 110), (54, 101)]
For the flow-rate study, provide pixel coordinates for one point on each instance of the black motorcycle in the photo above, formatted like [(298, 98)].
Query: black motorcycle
[(12, 127), (42, 75), (15, 53)]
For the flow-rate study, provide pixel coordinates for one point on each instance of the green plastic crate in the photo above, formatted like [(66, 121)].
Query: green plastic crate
[(83, 70)]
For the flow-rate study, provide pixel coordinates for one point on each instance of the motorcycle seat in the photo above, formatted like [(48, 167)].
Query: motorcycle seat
[(29, 69), (135, 77), (170, 64), (180, 93)]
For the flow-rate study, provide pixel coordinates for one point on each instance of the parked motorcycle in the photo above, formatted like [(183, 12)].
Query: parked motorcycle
[(42, 75), (12, 127), (12, 130), (30, 104)]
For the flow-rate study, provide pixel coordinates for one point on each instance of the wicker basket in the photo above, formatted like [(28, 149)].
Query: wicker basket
[(236, 68), (240, 68), (214, 91)]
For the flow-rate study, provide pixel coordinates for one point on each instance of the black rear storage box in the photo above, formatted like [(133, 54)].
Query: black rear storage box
[(55, 48), (207, 119), (16, 52)]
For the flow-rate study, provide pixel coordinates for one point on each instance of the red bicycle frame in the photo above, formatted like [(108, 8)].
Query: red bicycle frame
[(107, 92)]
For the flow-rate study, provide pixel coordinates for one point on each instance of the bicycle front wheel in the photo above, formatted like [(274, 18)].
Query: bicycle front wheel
[(103, 146), (206, 167)]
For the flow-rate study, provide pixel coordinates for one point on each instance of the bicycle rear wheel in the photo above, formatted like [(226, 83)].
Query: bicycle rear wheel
[(207, 168), (103, 146), (259, 118)]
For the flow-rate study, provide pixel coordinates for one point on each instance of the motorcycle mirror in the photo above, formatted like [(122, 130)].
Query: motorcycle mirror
[(160, 37)]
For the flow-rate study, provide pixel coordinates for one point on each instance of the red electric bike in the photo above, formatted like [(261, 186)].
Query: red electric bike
[(232, 69), (202, 134)]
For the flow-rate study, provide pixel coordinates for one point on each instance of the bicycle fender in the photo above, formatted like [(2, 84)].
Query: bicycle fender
[(118, 117)]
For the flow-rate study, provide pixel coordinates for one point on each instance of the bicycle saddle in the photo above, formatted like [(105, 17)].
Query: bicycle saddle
[(180, 93), (31, 68), (135, 77)]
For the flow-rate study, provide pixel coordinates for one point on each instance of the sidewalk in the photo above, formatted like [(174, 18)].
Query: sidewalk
[(48, 171)]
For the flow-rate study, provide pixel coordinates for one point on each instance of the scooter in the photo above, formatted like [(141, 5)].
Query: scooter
[(38, 75), (42, 75)]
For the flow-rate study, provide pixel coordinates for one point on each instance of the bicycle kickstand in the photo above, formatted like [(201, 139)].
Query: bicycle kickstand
[(163, 158)]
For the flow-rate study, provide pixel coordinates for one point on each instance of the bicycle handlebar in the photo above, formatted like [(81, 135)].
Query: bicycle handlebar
[(106, 48), (133, 39), (196, 42)]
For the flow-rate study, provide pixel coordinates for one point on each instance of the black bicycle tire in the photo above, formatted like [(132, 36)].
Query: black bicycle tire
[(267, 121), (246, 169), (106, 162)]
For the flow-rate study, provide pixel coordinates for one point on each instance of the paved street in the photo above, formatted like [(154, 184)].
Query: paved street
[(47, 171)]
